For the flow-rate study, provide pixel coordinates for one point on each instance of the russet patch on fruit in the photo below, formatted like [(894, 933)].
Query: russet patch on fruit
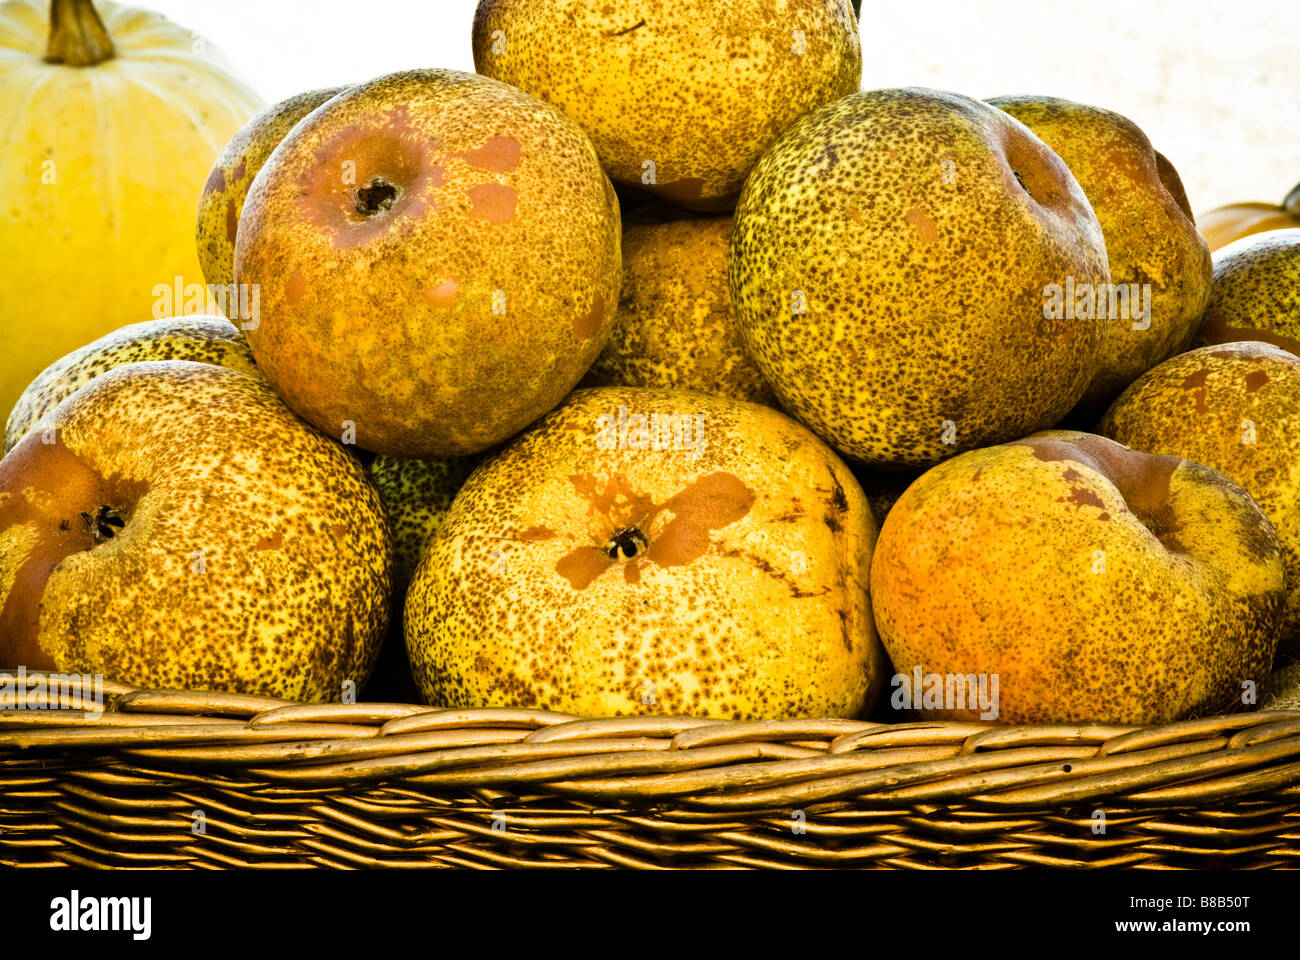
[(1234, 407), (726, 577), (1099, 584), (438, 259), (177, 526)]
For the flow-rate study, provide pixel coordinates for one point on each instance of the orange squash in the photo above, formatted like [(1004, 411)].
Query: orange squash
[(1223, 225)]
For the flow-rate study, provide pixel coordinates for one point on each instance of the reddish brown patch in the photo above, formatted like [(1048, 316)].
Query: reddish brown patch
[(924, 225), (1195, 384), (1144, 480), (632, 572), (710, 503), (216, 181), (232, 220), (295, 286), (581, 565), (388, 146), (1083, 497), (494, 202), (589, 324), (240, 170), (498, 154), (273, 542), (1072, 475), (538, 532), (442, 294), (48, 487), (1256, 379)]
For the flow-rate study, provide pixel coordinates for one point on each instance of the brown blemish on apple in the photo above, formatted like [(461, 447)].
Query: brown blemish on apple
[(442, 294), (1144, 481), (232, 220), (588, 324), (295, 287), (388, 149), (709, 503), (632, 572), (1256, 379), (1195, 384), (537, 532), (216, 181), (924, 225), (494, 202), (50, 490), (582, 565), (1083, 497), (273, 542), (498, 154), (240, 170)]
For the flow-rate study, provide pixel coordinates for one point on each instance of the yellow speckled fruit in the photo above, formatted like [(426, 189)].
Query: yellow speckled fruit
[(1095, 583), (223, 195), (674, 327), (1151, 237), (201, 339), (417, 495), (890, 267), (437, 256), (188, 531), (1234, 407), (652, 552), (1256, 292), (102, 156), (681, 98)]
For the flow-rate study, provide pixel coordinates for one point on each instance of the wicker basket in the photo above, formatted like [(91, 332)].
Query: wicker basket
[(176, 779)]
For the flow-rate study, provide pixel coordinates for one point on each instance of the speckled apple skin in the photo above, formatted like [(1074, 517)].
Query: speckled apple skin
[(749, 600), (1234, 407), (1256, 292), (674, 327), (699, 90), (254, 557), (450, 319), (888, 265), (1151, 235), (202, 339), (1144, 599), (224, 192)]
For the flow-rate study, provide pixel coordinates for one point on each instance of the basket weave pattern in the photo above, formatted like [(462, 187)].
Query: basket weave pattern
[(177, 779)]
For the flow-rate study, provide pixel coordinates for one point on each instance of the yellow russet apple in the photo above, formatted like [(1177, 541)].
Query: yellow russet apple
[(177, 526)]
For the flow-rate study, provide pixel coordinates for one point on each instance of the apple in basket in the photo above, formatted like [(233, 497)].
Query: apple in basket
[(173, 524), (647, 551)]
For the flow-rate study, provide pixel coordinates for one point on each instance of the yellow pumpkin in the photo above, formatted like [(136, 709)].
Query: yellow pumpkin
[(111, 123), (1223, 225)]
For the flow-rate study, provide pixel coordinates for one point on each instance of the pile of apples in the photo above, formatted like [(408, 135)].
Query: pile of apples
[(655, 369)]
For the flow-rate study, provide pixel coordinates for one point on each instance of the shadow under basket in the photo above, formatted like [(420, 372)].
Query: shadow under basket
[(177, 779)]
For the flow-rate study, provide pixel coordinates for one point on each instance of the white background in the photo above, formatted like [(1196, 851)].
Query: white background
[(1215, 85)]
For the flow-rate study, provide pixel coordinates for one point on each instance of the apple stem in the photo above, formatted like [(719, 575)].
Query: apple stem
[(77, 35)]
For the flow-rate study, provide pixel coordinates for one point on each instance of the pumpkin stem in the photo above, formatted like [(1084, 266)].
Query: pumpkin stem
[(77, 35), (1292, 202)]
